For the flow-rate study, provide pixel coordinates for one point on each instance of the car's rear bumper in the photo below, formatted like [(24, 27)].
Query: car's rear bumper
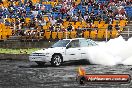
[(40, 58)]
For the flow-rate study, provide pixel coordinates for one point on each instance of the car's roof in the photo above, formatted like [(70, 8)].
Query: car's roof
[(74, 39)]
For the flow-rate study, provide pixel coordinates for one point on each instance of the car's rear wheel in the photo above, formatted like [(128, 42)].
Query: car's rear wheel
[(56, 60), (40, 63)]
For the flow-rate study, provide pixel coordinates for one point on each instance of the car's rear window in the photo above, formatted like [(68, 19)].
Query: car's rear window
[(61, 43)]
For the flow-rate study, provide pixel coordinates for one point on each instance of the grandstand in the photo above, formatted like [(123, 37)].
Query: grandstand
[(58, 19)]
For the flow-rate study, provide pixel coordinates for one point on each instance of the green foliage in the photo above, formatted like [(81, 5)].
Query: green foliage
[(18, 51)]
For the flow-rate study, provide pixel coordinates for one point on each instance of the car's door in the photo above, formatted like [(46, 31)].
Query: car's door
[(73, 50), (83, 46)]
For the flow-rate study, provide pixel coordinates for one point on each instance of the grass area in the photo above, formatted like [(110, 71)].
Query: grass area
[(18, 51)]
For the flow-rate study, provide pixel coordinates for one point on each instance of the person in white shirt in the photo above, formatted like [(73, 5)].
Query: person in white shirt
[(52, 20)]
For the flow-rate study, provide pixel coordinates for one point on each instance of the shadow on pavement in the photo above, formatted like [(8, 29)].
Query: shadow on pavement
[(68, 63), (79, 62)]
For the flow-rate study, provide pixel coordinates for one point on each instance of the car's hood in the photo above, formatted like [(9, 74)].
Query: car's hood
[(50, 50)]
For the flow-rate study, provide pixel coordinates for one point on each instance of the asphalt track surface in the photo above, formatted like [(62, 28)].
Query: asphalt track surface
[(25, 74)]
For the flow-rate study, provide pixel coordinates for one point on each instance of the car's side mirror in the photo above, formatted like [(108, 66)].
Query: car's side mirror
[(68, 46)]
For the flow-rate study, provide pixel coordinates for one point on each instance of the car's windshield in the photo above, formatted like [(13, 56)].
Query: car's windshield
[(61, 43)]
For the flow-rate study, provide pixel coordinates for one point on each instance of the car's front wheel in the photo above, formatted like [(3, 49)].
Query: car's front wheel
[(40, 63), (56, 60)]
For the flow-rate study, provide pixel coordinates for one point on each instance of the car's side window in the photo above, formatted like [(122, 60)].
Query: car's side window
[(91, 43), (83, 43), (74, 44)]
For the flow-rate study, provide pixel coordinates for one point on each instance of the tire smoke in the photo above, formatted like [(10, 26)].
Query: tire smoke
[(115, 51)]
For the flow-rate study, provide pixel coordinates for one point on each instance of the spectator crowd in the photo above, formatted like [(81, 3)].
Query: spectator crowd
[(52, 16)]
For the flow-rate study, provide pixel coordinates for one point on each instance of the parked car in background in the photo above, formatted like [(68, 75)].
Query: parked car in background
[(63, 50)]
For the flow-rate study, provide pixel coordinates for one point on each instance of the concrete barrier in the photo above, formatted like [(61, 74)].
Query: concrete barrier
[(14, 56)]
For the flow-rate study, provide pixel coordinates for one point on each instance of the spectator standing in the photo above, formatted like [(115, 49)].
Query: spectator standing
[(52, 20), (52, 27), (110, 26), (117, 27), (70, 27)]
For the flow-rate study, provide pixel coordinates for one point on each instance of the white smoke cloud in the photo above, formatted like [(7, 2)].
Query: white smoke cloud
[(115, 51)]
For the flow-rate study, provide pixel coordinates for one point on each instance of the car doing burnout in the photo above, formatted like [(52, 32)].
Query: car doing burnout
[(63, 50)]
